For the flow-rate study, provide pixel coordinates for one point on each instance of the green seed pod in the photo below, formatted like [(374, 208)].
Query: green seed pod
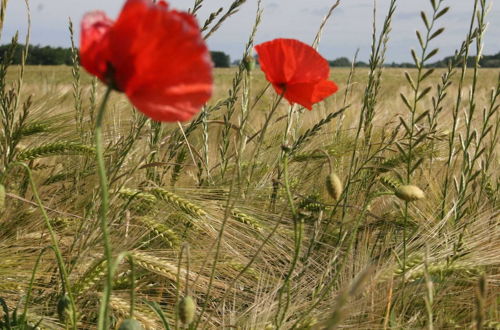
[(334, 186), (2, 197), (409, 193), (63, 307), (249, 62), (130, 324), (187, 310)]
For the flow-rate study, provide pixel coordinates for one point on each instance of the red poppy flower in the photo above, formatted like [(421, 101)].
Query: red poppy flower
[(155, 55), (297, 69)]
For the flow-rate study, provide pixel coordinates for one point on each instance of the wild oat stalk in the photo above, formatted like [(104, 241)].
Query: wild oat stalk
[(77, 92), (233, 9), (377, 58), (248, 62), (242, 76), (414, 136), (471, 35), (472, 143)]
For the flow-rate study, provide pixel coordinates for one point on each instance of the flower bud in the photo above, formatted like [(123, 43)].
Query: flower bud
[(130, 324), (187, 310), (249, 63), (63, 307), (334, 186), (286, 148), (409, 193)]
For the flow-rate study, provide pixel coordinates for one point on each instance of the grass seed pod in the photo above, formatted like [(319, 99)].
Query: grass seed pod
[(2, 197), (409, 193), (130, 324), (187, 310), (334, 186)]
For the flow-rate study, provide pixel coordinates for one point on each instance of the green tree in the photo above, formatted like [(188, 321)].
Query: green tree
[(220, 59)]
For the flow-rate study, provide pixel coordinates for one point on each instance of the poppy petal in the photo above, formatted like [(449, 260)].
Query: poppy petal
[(296, 68), (94, 42), (300, 94), (307, 94), (309, 64), (126, 40), (160, 60), (173, 78), (323, 89), (291, 61), (270, 54), (177, 103)]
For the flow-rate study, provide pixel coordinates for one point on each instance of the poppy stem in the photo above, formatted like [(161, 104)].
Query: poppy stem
[(103, 212), (298, 229)]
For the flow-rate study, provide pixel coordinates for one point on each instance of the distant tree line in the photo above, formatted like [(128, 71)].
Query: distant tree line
[(488, 61), (38, 55), (344, 62), (220, 59), (47, 55)]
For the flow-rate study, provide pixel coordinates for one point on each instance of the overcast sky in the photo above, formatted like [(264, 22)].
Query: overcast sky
[(348, 30)]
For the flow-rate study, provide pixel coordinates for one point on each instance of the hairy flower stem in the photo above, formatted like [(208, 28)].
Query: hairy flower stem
[(55, 247), (101, 167), (298, 229)]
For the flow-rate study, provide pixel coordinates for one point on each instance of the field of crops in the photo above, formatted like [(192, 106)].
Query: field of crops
[(378, 209)]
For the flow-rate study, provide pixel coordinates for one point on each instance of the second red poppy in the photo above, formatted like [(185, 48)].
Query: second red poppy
[(297, 70)]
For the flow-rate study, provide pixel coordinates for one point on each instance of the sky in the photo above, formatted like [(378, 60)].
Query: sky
[(349, 29)]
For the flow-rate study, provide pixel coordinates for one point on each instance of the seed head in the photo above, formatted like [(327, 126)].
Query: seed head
[(187, 310), (334, 186), (409, 193)]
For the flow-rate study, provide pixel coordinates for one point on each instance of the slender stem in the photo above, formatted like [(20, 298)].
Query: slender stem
[(341, 266), (248, 265), (298, 227), (55, 245), (103, 212), (261, 137), (32, 281), (177, 289), (132, 287), (229, 206)]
